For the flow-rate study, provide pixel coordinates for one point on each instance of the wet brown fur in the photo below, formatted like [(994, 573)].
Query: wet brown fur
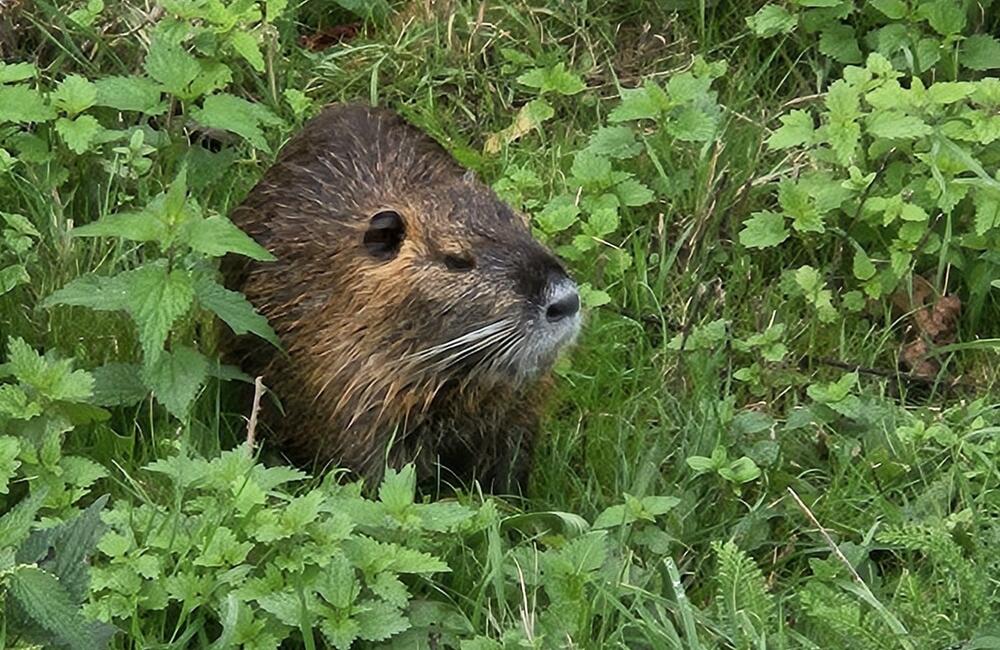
[(357, 386)]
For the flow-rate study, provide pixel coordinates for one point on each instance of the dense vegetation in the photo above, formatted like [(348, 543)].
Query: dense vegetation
[(779, 428)]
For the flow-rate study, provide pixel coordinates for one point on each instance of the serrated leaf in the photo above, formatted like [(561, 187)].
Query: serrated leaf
[(137, 94), (216, 236), (233, 308), (339, 585), (13, 276), (175, 378), (93, 291), (46, 602), (10, 72), (614, 142), (9, 449), (74, 95), (135, 226), (15, 524), (839, 42), (15, 404), (118, 384), (647, 102), (380, 621), (896, 125), (559, 214), (246, 46), (79, 133), (946, 17), (156, 299), (763, 230), (796, 129), (771, 20), (949, 92), (894, 9), (231, 113), (23, 104), (844, 138), (553, 79), (398, 488), (170, 65), (980, 52), (691, 124)]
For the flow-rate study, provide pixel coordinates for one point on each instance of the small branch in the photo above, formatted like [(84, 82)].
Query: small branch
[(829, 540), (258, 391)]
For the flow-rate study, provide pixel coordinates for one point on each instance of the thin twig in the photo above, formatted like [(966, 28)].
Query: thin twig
[(258, 391), (829, 540)]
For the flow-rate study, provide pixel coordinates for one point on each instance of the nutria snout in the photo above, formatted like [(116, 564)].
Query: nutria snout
[(419, 315)]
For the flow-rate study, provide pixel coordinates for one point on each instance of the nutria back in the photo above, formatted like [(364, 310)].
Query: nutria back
[(419, 316)]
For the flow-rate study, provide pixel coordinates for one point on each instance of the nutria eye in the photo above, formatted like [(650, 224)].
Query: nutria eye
[(385, 235), (459, 262)]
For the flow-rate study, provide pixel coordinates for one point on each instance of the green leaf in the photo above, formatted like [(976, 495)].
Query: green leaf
[(23, 104), (946, 17), (980, 52), (10, 72), (175, 378), (844, 138), (863, 268), (558, 214), (156, 299), (118, 384), (796, 129), (46, 602), (647, 102), (897, 125), (9, 449), (842, 100), (701, 464), (591, 170), (79, 133), (134, 226), (138, 94), (614, 142), (234, 309), (74, 95), (15, 524), (231, 113), (379, 621), (949, 92), (13, 276), (763, 230), (245, 44), (15, 404), (894, 9), (633, 193), (170, 65), (216, 236), (741, 470), (94, 291), (691, 124), (838, 42), (398, 488), (593, 298), (554, 79), (771, 20)]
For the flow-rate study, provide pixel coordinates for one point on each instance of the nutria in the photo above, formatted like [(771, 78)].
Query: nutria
[(419, 317)]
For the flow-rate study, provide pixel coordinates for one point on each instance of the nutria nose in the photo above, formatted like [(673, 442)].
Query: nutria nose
[(564, 301)]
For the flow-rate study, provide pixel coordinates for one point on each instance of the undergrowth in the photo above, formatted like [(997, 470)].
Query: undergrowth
[(779, 429)]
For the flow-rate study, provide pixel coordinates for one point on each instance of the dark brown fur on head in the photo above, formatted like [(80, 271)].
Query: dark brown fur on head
[(419, 316)]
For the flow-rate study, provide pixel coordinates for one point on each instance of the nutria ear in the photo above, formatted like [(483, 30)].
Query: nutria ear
[(469, 177)]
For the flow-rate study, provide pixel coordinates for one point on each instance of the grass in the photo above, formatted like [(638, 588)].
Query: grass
[(914, 514)]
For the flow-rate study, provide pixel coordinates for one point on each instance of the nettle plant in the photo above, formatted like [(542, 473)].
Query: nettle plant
[(619, 167), (159, 294), (900, 170), (916, 35), (44, 538)]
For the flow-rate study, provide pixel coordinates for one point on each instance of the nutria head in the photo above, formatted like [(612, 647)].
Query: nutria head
[(408, 297)]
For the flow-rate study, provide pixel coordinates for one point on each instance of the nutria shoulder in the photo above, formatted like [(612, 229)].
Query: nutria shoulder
[(419, 317)]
